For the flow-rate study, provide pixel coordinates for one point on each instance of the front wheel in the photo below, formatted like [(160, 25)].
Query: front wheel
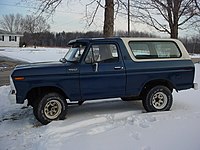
[(158, 98), (51, 107)]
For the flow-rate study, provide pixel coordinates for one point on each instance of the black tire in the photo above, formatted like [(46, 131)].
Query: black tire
[(130, 98), (35, 111), (158, 98), (34, 104), (51, 107), (127, 98), (80, 102)]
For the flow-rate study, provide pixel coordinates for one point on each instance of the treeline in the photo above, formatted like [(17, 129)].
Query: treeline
[(192, 44), (51, 39)]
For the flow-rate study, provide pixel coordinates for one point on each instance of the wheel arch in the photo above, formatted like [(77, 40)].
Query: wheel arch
[(154, 83), (34, 95)]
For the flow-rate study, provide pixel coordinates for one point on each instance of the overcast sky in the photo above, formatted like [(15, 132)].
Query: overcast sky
[(70, 17)]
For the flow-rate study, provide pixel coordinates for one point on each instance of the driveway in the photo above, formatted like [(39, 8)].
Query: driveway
[(6, 67)]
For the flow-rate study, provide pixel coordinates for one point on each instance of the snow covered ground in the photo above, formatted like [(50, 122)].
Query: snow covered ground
[(195, 55), (31, 55), (100, 125)]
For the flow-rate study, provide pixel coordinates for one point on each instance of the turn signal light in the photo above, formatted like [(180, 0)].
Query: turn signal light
[(19, 78)]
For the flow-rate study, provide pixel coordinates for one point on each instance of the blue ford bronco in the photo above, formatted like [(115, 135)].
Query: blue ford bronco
[(98, 68)]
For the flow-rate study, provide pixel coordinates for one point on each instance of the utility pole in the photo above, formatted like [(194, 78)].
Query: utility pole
[(128, 17)]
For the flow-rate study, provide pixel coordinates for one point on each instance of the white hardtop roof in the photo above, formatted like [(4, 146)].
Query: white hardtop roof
[(147, 39)]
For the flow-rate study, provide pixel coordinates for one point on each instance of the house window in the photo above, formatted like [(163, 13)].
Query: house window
[(12, 38), (1, 38)]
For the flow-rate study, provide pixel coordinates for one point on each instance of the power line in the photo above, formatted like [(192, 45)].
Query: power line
[(14, 5), (35, 8)]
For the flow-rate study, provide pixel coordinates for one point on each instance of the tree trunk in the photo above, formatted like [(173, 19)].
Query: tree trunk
[(174, 32), (175, 10), (108, 28)]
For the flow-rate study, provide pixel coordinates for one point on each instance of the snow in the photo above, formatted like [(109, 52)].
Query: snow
[(195, 55), (100, 125), (30, 55)]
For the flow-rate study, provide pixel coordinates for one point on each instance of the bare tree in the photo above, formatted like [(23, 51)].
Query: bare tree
[(108, 28), (50, 6), (197, 2), (33, 24), (197, 21), (166, 15), (11, 22), (17, 23)]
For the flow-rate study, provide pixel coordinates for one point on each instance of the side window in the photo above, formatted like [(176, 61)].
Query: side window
[(102, 53), (167, 50), (153, 50), (140, 49)]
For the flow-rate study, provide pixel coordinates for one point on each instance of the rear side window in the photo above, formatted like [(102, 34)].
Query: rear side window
[(154, 49)]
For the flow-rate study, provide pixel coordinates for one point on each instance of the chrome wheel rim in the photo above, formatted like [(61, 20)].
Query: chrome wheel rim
[(52, 109), (159, 100)]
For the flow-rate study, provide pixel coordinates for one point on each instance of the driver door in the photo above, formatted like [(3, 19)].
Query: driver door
[(102, 73)]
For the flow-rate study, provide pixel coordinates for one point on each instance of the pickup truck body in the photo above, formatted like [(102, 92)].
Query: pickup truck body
[(137, 65)]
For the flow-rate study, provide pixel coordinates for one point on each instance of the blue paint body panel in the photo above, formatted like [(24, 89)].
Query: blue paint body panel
[(124, 78)]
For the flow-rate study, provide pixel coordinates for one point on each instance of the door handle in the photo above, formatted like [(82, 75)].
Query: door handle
[(96, 65), (118, 68)]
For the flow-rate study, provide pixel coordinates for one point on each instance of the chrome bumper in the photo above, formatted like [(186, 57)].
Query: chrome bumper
[(195, 86), (12, 94), (12, 97)]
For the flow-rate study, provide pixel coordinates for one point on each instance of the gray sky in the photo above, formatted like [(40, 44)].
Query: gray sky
[(70, 17)]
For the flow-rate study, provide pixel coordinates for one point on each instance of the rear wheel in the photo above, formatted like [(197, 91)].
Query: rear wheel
[(158, 98), (51, 107)]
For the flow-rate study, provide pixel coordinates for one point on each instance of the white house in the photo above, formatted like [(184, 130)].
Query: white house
[(8, 39)]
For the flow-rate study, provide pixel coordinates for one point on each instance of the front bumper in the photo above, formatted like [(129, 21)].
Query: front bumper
[(12, 93), (12, 96)]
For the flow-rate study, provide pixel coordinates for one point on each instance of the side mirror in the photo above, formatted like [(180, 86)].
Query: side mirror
[(63, 60)]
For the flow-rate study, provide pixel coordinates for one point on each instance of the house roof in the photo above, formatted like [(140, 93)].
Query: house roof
[(9, 33)]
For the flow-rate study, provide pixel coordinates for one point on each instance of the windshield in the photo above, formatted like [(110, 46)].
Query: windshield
[(75, 53)]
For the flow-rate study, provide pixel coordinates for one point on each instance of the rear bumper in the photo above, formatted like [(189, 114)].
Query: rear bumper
[(195, 86)]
